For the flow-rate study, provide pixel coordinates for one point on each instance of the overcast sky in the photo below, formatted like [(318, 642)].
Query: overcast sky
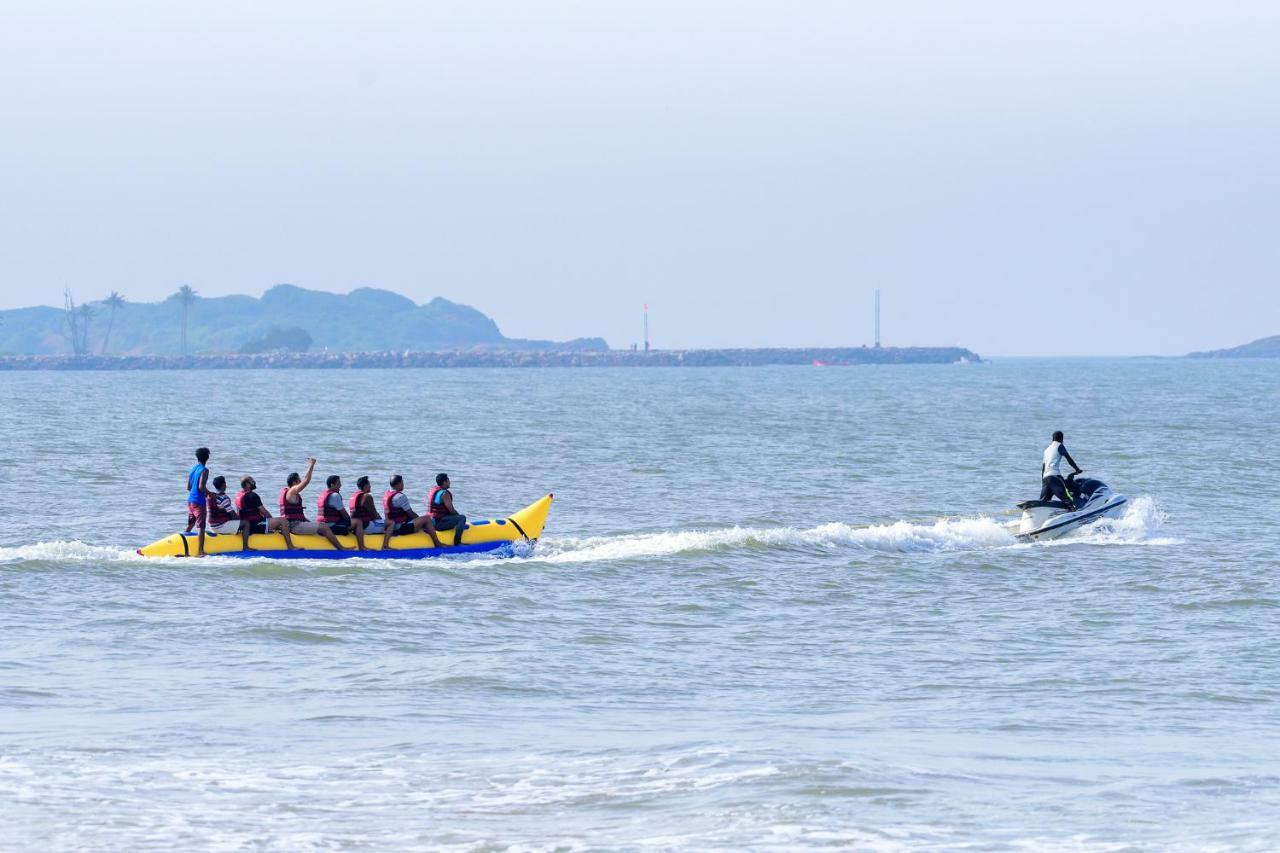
[(1018, 178)]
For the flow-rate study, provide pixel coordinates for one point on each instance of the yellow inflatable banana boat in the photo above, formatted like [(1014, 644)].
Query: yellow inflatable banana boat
[(490, 534)]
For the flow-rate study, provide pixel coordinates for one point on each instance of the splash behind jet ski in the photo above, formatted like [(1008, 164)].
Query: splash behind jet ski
[(1051, 519)]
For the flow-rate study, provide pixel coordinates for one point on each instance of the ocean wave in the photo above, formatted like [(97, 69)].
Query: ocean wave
[(706, 799), (1139, 525), (965, 534), (66, 551)]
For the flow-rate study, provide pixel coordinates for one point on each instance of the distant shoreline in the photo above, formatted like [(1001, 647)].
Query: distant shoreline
[(823, 357), (1261, 348)]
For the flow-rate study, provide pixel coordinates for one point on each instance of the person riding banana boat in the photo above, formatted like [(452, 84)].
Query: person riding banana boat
[(401, 519), (440, 505), (292, 512), (404, 532), (254, 517), (198, 496)]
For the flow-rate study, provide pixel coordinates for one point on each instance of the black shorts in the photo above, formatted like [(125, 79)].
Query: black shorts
[(258, 527), (340, 529), (404, 528)]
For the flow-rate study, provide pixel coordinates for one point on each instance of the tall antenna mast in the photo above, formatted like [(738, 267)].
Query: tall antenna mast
[(877, 318), (646, 327)]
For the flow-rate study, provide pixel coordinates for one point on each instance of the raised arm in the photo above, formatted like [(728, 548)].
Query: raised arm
[(306, 478)]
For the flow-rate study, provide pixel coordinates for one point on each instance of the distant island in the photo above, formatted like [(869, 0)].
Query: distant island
[(1261, 348), (285, 319), (290, 327)]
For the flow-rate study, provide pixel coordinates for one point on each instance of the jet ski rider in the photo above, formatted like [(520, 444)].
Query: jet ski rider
[(1051, 483)]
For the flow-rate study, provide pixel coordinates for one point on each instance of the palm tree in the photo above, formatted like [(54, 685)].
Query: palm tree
[(187, 296), (114, 301), (86, 313), (72, 321)]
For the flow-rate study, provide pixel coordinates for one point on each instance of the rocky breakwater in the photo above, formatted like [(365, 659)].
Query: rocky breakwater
[(832, 357)]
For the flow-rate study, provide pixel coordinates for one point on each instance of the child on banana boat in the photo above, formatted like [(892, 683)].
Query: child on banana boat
[(197, 493), (221, 510), (209, 506)]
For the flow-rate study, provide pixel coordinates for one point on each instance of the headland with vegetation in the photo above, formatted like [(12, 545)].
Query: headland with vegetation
[(1261, 348), (291, 327)]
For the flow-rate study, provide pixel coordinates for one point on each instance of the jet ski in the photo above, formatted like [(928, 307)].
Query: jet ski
[(1051, 519)]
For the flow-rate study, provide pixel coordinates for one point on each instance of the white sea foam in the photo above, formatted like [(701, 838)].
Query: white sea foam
[(480, 803), (66, 551), (1139, 525), (951, 534)]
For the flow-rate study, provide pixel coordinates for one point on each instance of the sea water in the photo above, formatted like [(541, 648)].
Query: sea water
[(774, 608)]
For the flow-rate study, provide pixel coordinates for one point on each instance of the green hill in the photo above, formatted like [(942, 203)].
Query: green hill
[(365, 320), (1261, 348)]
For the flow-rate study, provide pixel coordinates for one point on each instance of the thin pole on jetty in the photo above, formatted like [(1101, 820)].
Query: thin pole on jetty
[(877, 318)]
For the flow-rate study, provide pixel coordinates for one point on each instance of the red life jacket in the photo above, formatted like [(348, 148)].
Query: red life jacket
[(328, 514), (217, 514), (259, 512), (360, 509), (435, 502), (288, 511), (393, 514)]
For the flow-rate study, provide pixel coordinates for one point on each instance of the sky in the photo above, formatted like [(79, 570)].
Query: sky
[(1043, 178)]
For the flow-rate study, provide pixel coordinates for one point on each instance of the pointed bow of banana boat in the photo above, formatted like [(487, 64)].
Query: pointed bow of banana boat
[(532, 518)]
